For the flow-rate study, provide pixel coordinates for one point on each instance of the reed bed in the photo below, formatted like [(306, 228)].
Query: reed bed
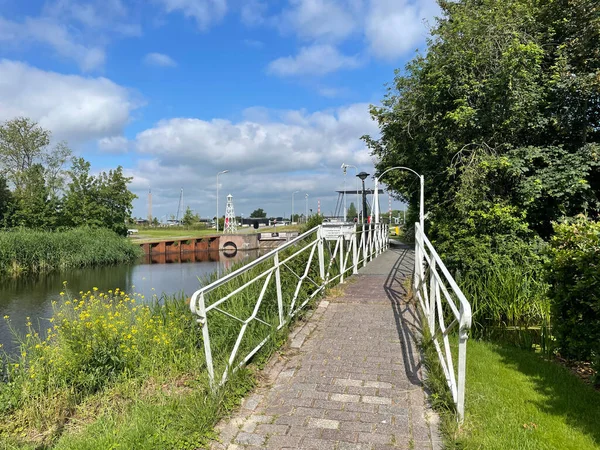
[(25, 251)]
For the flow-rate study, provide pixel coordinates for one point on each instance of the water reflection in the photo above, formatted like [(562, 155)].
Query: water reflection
[(167, 273)]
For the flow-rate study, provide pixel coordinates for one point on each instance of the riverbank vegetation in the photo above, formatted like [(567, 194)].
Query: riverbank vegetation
[(502, 117), (56, 218), (117, 370), (28, 252)]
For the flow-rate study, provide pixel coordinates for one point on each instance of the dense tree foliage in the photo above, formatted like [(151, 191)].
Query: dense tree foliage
[(44, 195), (501, 115), (258, 214)]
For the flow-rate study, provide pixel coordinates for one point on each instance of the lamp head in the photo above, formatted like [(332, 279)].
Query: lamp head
[(362, 175)]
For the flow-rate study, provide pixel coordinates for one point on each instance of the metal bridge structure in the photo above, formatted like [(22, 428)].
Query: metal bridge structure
[(259, 300)]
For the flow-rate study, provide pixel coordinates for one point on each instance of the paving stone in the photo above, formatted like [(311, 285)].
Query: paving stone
[(349, 398), (323, 423), (353, 446), (375, 438), (252, 402), (376, 400), (249, 439), (271, 429), (346, 382), (318, 444), (283, 441)]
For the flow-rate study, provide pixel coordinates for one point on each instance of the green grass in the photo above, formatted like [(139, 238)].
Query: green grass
[(515, 399), (170, 232), (31, 252)]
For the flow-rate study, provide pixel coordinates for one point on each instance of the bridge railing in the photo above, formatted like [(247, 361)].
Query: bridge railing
[(442, 301), (240, 312)]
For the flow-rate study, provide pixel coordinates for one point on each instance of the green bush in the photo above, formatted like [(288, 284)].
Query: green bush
[(574, 275)]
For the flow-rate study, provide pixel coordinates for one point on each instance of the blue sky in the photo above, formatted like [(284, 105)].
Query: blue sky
[(276, 92)]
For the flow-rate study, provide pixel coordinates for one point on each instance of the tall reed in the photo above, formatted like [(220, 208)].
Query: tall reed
[(509, 301), (29, 251)]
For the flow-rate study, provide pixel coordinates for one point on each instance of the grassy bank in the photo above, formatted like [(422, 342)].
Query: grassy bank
[(517, 399), (32, 252), (115, 372), (112, 371)]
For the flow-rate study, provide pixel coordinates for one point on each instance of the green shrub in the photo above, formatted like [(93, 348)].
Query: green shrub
[(574, 275)]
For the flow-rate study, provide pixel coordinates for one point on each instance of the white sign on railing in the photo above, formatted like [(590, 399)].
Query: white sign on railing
[(332, 231)]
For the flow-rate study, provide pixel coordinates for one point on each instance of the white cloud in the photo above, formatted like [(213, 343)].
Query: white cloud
[(114, 144), (394, 28), (390, 30), (253, 12), (269, 155), (329, 20), (313, 60), (204, 12), (159, 59), (73, 107), (54, 35)]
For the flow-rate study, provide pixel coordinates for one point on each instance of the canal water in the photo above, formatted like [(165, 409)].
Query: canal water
[(32, 298)]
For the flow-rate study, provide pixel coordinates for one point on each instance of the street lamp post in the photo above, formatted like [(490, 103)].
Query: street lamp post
[(421, 200), (306, 217), (292, 219), (223, 171), (362, 176)]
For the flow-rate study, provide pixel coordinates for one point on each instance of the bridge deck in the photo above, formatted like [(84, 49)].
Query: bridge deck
[(351, 377)]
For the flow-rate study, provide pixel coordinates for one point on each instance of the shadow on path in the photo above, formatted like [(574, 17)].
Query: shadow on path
[(405, 316)]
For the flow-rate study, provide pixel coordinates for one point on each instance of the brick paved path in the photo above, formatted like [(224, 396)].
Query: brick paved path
[(351, 379)]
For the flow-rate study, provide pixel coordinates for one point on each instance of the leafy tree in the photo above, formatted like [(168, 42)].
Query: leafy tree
[(23, 144), (79, 203), (501, 116), (34, 207), (6, 199), (102, 201), (258, 214), (351, 213), (155, 222), (189, 218), (114, 199)]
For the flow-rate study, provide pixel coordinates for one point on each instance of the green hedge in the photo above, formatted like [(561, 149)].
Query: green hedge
[(574, 275)]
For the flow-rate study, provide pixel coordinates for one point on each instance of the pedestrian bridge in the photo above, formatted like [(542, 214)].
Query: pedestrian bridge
[(352, 372)]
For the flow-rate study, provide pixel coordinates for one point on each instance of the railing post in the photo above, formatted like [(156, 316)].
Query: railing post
[(354, 252), (463, 335), (278, 284), (364, 245), (321, 253), (203, 321), (342, 260), (416, 279), (433, 292)]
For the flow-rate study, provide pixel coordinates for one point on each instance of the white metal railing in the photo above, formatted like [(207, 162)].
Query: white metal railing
[(256, 294), (436, 294)]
